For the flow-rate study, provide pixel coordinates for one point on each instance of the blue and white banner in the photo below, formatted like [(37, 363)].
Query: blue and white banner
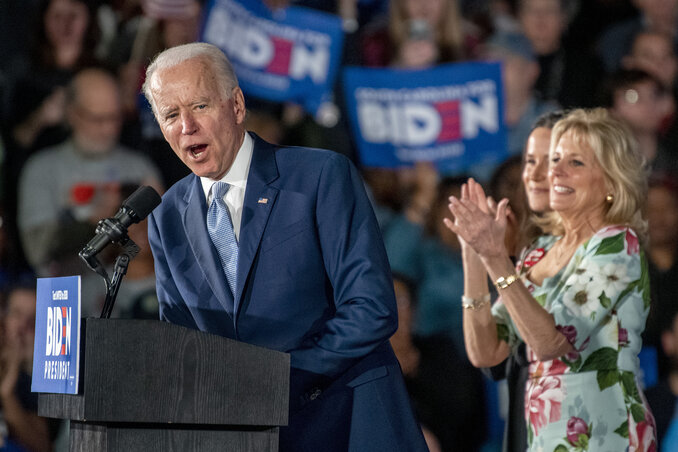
[(290, 55), (56, 355), (451, 115)]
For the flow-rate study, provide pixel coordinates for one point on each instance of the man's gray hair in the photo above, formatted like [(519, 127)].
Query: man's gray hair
[(177, 55)]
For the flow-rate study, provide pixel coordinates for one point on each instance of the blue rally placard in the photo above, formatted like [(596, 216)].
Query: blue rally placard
[(451, 115), (56, 355), (290, 55)]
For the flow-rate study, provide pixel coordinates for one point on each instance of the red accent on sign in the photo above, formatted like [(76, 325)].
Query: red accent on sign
[(282, 54), (450, 121)]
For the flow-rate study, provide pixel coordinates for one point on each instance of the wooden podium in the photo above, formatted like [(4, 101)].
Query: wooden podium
[(147, 385)]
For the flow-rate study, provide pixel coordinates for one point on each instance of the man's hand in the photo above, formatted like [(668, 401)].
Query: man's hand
[(105, 202)]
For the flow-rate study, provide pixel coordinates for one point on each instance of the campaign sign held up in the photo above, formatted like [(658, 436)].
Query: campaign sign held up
[(56, 355), (451, 115), (290, 55)]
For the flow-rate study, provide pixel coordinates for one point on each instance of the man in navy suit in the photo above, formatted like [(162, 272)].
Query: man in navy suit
[(312, 278)]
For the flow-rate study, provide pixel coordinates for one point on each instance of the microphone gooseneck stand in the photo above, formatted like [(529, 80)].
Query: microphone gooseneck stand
[(129, 252), (114, 230)]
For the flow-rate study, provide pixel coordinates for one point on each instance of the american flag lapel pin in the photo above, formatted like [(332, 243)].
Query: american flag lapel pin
[(263, 201)]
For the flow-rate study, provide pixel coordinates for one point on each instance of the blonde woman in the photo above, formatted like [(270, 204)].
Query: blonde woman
[(581, 297)]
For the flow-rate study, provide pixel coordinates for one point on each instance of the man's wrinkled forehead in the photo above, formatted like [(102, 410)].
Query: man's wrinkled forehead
[(193, 72), (187, 82)]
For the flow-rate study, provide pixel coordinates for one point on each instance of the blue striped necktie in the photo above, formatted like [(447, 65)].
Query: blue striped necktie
[(220, 228)]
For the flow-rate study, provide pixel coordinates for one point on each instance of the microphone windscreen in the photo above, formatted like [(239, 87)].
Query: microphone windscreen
[(142, 202)]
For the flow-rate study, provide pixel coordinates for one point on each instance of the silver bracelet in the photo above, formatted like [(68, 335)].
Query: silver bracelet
[(473, 303)]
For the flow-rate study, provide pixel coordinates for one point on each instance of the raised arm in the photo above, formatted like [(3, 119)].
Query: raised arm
[(484, 235), (483, 345)]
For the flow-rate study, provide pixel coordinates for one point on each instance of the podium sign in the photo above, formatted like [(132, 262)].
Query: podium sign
[(56, 354)]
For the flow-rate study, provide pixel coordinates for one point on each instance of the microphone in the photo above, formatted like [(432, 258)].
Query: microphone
[(111, 230)]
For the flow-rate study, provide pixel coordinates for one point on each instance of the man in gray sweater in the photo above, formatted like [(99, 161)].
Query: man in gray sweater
[(65, 190)]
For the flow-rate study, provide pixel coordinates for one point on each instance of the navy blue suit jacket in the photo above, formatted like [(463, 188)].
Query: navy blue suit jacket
[(313, 280)]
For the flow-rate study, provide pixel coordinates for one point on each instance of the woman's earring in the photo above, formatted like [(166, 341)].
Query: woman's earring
[(609, 198)]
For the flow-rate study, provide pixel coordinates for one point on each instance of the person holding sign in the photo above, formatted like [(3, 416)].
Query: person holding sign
[(417, 35), (277, 247), (580, 299)]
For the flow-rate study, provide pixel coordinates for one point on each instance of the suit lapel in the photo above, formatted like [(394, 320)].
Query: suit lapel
[(194, 219), (259, 201)]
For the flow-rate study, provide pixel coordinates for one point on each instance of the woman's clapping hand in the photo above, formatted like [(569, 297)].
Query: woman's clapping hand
[(478, 223)]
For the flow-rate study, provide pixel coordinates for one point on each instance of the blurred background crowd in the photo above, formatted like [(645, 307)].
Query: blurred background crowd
[(75, 140)]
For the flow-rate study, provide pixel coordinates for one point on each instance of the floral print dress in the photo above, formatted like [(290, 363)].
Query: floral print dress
[(589, 400)]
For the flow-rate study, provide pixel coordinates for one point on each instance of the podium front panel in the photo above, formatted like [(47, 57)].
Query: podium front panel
[(147, 371)]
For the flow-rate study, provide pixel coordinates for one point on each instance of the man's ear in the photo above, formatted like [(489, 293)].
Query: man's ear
[(238, 104)]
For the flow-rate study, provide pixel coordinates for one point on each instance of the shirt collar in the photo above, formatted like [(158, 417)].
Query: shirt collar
[(237, 173)]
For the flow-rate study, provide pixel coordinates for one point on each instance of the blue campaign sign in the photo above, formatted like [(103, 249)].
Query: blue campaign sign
[(290, 55), (56, 355), (451, 115)]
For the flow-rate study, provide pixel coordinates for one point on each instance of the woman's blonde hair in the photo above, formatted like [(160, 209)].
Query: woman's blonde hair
[(623, 165)]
